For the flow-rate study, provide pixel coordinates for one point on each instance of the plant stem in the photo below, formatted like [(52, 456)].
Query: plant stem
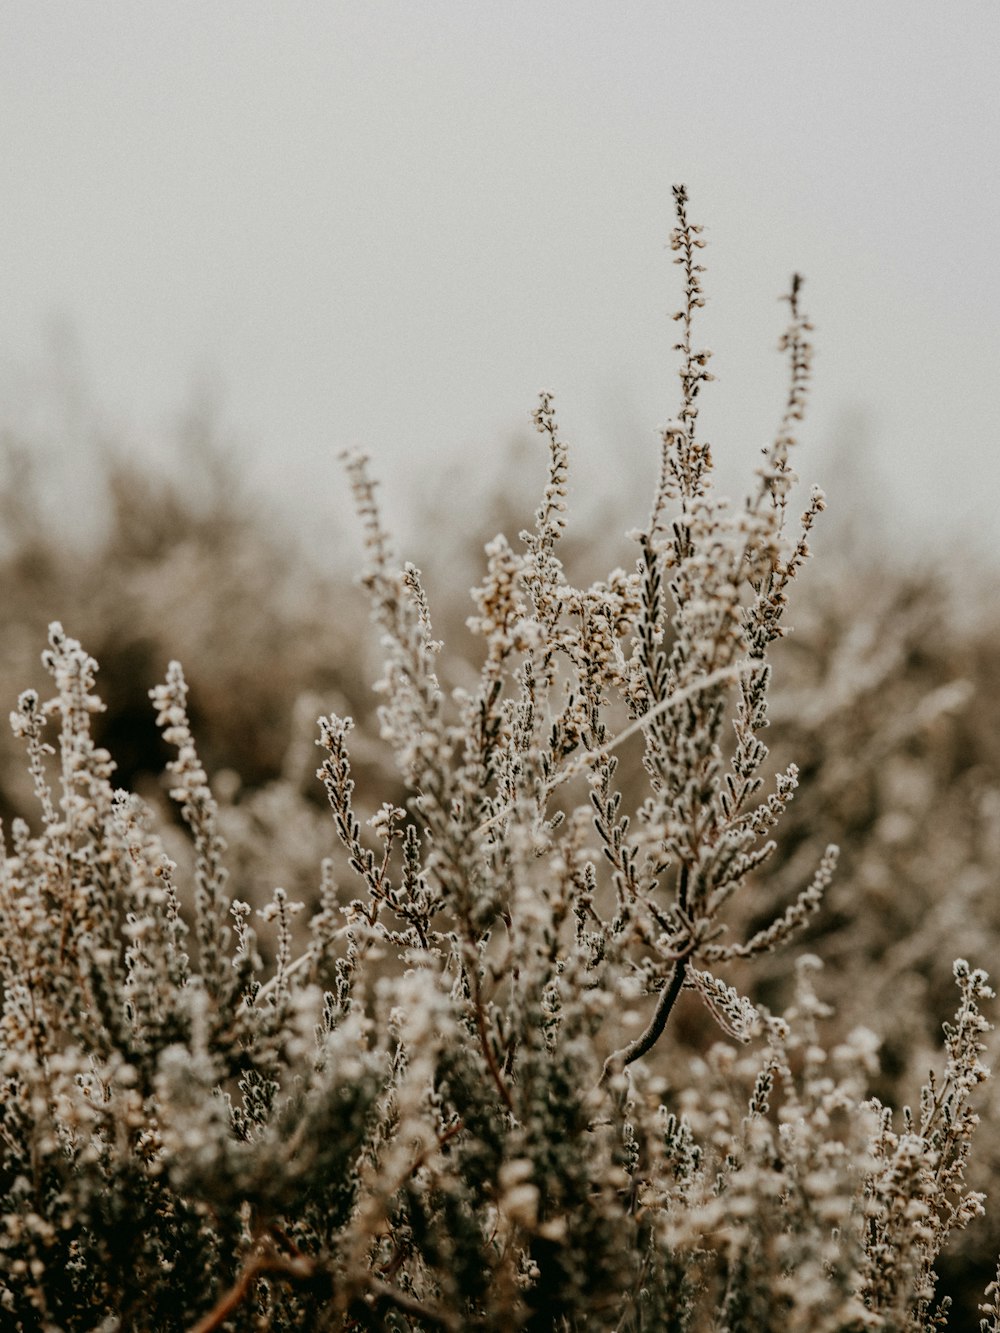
[(648, 1039)]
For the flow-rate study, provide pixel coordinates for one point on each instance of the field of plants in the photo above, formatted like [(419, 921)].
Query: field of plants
[(374, 955)]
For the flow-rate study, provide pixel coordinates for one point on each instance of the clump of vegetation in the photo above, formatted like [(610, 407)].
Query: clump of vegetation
[(186, 563), (454, 1097)]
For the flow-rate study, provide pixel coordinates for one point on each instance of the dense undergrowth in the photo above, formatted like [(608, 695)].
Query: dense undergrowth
[(501, 1023)]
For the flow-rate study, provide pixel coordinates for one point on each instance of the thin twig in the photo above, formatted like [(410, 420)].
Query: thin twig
[(723, 675), (309, 956), (383, 1295)]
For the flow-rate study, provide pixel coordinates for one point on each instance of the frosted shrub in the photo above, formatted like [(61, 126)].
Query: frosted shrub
[(458, 1104)]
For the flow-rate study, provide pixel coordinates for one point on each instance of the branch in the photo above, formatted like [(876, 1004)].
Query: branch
[(299, 1269), (648, 1039)]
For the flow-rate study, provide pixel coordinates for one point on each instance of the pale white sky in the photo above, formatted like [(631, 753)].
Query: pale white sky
[(389, 224)]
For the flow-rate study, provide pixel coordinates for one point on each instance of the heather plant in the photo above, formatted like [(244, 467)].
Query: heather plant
[(185, 563), (453, 1097)]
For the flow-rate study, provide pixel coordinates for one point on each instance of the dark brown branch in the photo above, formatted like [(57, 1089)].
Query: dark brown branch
[(648, 1039), (299, 1269), (381, 1297)]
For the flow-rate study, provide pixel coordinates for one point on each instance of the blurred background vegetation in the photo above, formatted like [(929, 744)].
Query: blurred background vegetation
[(886, 696)]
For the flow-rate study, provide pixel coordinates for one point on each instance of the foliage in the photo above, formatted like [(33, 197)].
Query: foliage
[(460, 1095)]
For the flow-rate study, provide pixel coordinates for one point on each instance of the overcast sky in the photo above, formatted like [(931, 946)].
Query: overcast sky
[(389, 225)]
